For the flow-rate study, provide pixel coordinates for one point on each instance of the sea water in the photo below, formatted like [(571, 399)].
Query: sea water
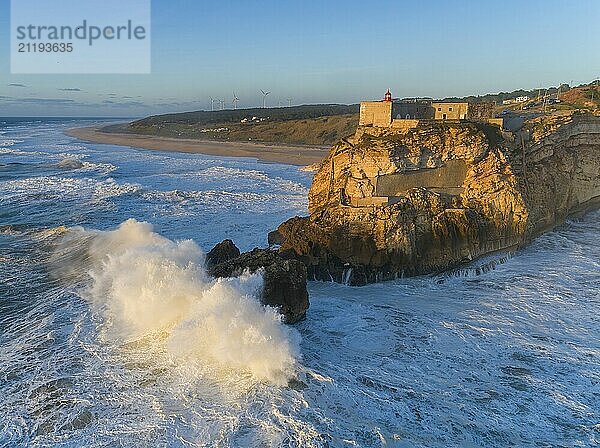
[(112, 334)]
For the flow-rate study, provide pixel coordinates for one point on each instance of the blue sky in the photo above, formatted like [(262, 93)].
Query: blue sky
[(324, 52)]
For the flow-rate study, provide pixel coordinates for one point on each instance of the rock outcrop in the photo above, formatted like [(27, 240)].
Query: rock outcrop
[(284, 280), (224, 251), (388, 202)]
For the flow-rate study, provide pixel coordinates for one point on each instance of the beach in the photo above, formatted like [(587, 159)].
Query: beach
[(274, 153)]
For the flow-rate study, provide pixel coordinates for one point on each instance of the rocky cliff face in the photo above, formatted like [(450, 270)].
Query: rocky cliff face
[(387, 202)]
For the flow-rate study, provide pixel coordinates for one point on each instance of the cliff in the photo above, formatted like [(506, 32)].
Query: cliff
[(391, 202)]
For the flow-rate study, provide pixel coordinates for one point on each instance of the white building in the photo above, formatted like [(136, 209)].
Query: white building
[(521, 99)]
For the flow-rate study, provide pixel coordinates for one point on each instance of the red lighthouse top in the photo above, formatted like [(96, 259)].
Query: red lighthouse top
[(388, 96)]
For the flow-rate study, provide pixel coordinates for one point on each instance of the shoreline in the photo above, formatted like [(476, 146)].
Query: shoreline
[(264, 152)]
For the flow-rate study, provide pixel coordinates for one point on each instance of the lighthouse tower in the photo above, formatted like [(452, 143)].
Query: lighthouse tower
[(377, 113)]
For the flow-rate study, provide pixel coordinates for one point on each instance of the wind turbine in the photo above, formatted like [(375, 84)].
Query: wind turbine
[(212, 104), (222, 104), (264, 98), (289, 100), (235, 101)]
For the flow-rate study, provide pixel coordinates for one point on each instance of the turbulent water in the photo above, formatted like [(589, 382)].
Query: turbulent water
[(112, 334)]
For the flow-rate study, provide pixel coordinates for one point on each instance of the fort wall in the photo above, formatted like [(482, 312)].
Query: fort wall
[(375, 113), (446, 179), (399, 123)]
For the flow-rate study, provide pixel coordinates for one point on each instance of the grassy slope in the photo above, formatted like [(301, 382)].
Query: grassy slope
[(308, 125)]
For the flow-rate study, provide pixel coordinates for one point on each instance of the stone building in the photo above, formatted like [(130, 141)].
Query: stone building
[(409, 112), (377, 113), (413, 108), (450, 111)]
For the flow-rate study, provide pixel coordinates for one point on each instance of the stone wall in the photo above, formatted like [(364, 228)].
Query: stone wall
[(372, 201), (413, 110), (480, 111), (404, 123), (446, 179), (497, 122), (375, 113)]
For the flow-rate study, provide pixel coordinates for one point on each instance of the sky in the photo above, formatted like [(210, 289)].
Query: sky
[(324, 52)]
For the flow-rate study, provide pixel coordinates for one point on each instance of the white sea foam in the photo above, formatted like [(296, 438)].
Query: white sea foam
[(61, 188), (9, 142), (147, 286), (111, 189), (103, 168), (19, 152), (229, 175)]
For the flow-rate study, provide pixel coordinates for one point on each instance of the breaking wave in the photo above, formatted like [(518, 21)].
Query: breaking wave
[(147, 288)]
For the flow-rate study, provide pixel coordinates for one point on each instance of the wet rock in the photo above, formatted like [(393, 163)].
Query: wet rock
[(222, 252), (284, 285), (274, 238)]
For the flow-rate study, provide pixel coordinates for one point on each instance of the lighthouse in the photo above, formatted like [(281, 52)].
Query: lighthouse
[(377, 113)]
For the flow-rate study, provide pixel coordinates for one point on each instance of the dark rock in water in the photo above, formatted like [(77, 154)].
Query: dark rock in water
[(70, 164), (222, 252), (275, 238), (284, 280)]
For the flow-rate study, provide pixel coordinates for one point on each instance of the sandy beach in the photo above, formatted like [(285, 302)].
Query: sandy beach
[(291, 155)]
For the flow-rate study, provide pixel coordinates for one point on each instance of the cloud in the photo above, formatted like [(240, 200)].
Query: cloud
[(73, 106), (70, 90), (49, 101), (179, 104), (38, 101), (124, 103), (134, 103), (12, 84)]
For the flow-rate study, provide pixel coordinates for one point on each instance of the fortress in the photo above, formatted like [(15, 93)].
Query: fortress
[(373, 186), (406, 114)]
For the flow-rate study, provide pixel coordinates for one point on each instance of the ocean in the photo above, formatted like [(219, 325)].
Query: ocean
[(112, 334)]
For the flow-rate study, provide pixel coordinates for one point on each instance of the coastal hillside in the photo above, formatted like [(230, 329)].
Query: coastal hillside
[(325, 124), (584, 96), (320, 125)]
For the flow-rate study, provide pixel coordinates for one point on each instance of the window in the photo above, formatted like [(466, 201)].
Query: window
[(449, 109), (439, 109)]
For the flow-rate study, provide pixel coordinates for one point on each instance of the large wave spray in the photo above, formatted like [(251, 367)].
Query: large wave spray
[(147, 286)]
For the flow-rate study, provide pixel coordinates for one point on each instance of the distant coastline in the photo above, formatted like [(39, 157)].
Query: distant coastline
[(274, 153)]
